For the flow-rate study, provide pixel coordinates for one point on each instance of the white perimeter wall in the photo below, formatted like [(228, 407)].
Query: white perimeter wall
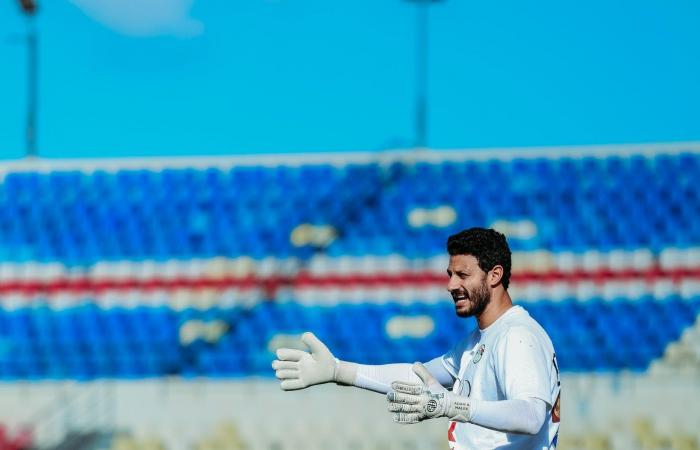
[(182, 412)]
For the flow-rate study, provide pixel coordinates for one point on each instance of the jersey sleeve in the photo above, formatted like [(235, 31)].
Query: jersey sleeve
[(378, 378), (523, 366)]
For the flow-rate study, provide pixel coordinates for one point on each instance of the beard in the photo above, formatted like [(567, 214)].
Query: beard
[(477, 300)]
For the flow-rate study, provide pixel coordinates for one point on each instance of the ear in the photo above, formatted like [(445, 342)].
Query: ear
[(494, 276)]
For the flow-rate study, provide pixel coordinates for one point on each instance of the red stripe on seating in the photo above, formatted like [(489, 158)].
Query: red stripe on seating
[(304, 280)]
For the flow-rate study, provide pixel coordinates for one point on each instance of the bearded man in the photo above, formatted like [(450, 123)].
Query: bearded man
[(498, 386)]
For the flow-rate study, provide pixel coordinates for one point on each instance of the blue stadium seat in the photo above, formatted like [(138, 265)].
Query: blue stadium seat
[(614, 202)]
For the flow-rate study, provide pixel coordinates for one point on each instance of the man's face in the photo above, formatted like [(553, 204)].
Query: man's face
[(467, 286)]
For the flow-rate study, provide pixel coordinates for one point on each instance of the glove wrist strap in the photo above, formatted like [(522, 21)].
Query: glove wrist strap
[(459, 408), (345, 372)]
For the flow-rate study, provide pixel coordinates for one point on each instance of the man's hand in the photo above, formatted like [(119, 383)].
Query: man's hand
[(298, 369), (412, 403)]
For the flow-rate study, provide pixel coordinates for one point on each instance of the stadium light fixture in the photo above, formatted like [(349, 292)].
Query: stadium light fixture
[(421, 101), (29, 8)]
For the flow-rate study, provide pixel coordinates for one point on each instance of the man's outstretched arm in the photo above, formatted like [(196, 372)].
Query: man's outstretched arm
[(415, 402), (297, 369)]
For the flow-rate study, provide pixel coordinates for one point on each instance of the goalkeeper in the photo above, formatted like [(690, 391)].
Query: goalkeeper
[(498, 386)]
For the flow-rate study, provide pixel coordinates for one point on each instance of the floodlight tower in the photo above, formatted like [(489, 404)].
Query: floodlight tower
[(29, 8), (421, 101)]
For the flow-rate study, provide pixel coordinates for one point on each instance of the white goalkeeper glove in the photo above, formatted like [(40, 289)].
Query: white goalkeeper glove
[(413, 402), (297, 369)]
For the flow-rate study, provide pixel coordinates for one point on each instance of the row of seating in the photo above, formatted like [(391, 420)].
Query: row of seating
[(87, 341), (603, 203)]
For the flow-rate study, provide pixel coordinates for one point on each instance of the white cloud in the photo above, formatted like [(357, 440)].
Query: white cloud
[(144, 17)]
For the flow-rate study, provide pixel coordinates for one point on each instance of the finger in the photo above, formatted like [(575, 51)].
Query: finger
[(277, 364), (314, 343), (398, 397), (407, 418), (287, 374), (290, 354), (404, 407), (292, 385), (423, 373), (407, 388)]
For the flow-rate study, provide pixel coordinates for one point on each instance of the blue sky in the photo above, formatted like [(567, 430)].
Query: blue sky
[(189, 77)]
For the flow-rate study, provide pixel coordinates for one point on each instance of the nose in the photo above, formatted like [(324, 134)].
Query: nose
[(452, 284)]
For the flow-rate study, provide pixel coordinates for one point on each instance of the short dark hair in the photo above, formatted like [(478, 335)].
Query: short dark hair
[(488, 246)]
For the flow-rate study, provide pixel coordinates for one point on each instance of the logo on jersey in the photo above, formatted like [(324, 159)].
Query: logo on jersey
[(479, 353), (450, 433)]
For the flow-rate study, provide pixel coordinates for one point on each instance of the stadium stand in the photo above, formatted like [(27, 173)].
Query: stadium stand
[(168, 272), (86, 342), (573, 204)]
